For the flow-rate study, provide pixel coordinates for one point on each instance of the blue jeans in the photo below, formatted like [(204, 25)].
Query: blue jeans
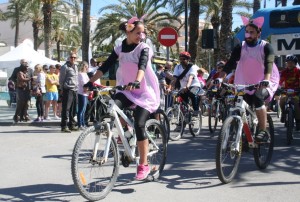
[(82, 102)]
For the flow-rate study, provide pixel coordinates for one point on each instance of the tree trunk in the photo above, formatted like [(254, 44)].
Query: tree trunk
[(296, 2), (215, 22), (47, 10), (58, 50), (17, 24), (194, 28), (283, 2), (86, 24), (226, 22), (256, 5), (35, 28)]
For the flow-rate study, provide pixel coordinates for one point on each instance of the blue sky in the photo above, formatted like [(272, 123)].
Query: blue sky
[(97, 4)]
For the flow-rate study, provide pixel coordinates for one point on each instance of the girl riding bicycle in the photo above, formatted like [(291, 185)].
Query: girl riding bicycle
[(136, 71)]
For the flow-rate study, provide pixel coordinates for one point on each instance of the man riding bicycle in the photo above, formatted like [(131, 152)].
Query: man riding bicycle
[(254, 62), (186, 80), (290, 79)]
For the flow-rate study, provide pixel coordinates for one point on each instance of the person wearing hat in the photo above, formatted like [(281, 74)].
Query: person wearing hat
[(186, 80), (219, 75), (253, 60), (23, 87), (290, 79)]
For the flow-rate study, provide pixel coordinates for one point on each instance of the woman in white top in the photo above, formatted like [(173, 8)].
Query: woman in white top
[(39, 91), (82, 94)]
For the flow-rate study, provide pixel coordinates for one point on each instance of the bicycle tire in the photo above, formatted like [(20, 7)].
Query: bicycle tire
[(212, 120), (263, 153), (164, 121), (195, 126), (157, 159), (227, 170), (176, 122), (289, 126), (278, 109), (86, 173)]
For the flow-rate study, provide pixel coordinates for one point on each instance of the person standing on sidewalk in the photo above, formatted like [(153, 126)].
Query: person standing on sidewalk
[(83, 78), (68, 81)]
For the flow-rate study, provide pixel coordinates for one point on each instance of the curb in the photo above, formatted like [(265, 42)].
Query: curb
[(53, 123)]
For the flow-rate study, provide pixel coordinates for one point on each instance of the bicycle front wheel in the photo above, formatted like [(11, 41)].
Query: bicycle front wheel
[(212, 118), (176, 121), (263, 152), (195, 124), (157, 147), (94, 177), (227, 158)]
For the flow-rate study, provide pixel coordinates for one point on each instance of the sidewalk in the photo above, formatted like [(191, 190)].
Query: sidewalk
[(7, 113)]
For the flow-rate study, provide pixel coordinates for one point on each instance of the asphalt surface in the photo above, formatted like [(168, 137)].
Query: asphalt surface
[(36, 166)]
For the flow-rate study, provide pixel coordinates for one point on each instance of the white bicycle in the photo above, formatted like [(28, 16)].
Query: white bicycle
[(96, 156)]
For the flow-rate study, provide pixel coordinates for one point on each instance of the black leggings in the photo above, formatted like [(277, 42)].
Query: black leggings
[(140, 115)]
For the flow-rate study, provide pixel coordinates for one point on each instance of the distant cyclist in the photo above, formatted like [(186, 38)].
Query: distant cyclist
[(187, 81), (290, 79)]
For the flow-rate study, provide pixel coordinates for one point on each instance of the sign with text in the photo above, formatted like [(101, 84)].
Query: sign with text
[(286, 44)]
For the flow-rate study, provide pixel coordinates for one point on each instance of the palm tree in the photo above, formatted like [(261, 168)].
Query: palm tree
[(296, 2), (126, 9), (33, 13), (15, 13), (47, 11), (226, 21), (86, 26), (256, 5)]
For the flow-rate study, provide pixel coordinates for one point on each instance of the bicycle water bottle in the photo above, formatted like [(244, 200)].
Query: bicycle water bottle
[(128, 132)]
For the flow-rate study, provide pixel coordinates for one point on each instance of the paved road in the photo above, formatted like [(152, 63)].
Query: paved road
[(35, 166)]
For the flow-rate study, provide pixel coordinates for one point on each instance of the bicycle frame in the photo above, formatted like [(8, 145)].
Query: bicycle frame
[(242, 107), (114, 112)]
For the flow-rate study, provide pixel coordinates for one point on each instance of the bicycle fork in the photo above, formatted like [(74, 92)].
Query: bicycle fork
[(104, 157)]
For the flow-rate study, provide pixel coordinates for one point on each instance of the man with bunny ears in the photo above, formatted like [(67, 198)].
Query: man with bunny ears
[(253, 60)]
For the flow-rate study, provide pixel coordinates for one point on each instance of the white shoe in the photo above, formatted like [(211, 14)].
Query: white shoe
[(47, 118), (56, 118)]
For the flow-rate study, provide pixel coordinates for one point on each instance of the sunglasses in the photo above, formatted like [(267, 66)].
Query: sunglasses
[(182, 58), (73, 57)]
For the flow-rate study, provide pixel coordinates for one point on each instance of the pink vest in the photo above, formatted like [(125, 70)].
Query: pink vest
[(147, 96), (250, 68)]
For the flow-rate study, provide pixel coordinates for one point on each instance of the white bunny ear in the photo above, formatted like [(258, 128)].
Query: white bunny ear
[(142, 18), (245, 20)]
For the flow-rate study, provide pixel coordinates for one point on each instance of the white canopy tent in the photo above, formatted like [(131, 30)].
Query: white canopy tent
[(25, 50)]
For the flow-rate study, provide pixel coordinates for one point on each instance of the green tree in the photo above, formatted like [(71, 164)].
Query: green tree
[(126, 9), (86, 26), (47, 12), (15, 13)]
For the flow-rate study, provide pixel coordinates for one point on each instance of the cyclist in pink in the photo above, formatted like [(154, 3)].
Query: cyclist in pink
[(254, 62), (135, 69)]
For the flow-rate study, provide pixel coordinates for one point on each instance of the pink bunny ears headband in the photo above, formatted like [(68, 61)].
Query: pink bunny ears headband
[(256, 21), (130, 23)]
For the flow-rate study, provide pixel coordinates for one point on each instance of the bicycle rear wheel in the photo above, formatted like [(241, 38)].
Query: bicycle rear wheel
[(195, 124), (289, 126), (212, 118), (227, 159), (157, 148), (164, 121), (94, 179), (263, 153), (176, 121)]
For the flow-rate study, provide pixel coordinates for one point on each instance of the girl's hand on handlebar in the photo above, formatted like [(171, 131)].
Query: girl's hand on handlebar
[(133, 85)]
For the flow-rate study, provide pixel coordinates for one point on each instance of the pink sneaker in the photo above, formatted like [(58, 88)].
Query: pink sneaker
[(142, 172)]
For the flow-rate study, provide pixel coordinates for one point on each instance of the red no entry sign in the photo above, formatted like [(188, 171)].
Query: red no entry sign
[(167, 36)]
